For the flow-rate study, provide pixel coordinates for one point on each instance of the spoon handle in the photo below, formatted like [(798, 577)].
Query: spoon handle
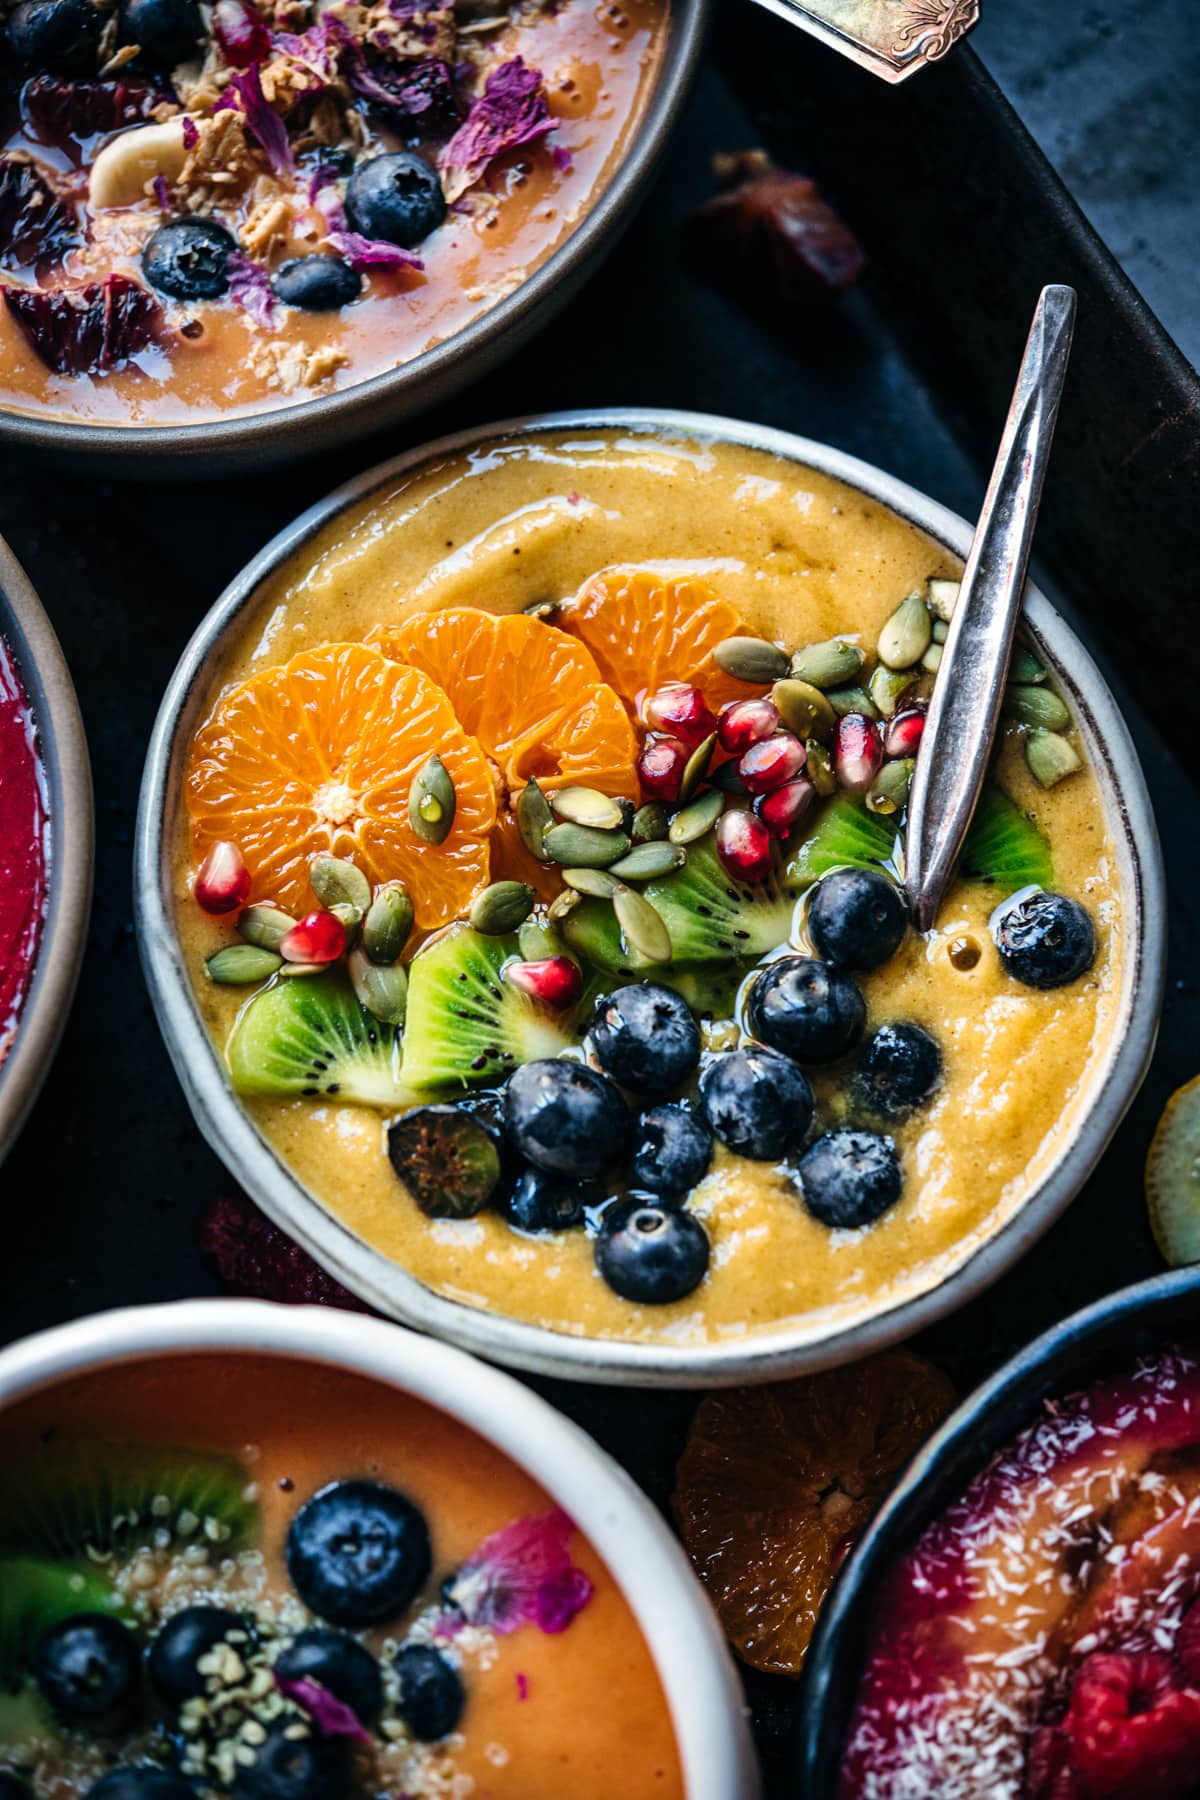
[(957, 741)]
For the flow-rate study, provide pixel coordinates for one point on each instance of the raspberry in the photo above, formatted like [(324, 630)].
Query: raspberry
[(257, 1261), (1187, 1646), (1048, 1771), (86, 330), (1132, 1732)]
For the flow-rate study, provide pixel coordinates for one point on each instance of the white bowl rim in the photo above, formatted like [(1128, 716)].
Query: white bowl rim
[(702, 1689), (766, 1355)]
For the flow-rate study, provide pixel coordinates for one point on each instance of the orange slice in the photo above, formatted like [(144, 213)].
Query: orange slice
[(775, 1483), (644, 631), (319, 755)]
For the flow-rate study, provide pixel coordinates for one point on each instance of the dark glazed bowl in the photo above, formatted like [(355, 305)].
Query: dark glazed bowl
[(263, 439), (63, 751), (1100, 1340)]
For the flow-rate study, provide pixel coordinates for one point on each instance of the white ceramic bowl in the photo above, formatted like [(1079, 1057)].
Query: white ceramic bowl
[(763, 1355), (697, 1674)]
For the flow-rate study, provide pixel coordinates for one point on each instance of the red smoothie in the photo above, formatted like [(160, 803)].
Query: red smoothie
[(24, 847)]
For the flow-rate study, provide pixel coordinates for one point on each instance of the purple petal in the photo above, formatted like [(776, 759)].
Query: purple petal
[(191, 135), (523, 1575), (330, 1715), (262, 121), (250, 288), (372, 253), (511, 110), (319, 49), (162, 193)]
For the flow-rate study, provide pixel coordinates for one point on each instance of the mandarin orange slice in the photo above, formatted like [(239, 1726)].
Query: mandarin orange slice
[(319, 754), (644, 630), (776, 1482)]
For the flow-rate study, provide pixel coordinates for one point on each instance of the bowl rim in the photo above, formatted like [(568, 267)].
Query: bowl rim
[(1052, 1363), (765, 1356), (445, 367), (62, 749), (703, 1693)]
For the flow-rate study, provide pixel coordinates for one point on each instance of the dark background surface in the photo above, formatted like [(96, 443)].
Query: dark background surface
[(102, 1191)]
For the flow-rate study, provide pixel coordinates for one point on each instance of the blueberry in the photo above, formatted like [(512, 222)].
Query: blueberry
[(849, 1178), (303, 1768), (317, 283), (1045, 940), (757, 1101), (645, 1037), (541, 1202), (396, 197), (431, 1694), (56, 37), (671, 1153), (899, 1068), (142, 1783), (857, 918), (651, 1253), (183, 1640), (447, 1158), (166, 31), (88, 1668), (189, 259), (358, 1553), (565, 1118), (806, 1009), (340, 1664)]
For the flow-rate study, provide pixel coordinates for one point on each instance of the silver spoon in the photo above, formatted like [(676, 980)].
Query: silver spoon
[(956, 744)]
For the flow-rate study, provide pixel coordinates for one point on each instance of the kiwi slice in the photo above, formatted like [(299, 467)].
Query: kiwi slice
[(25, 1719), (465, 1023), (712, 918), (592, 932), (845, 836), (36, 1593), (309, 1036), (1005, 847), (80, 1497)]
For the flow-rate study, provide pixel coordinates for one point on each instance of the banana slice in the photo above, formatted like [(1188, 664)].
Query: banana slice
[(122, 169)]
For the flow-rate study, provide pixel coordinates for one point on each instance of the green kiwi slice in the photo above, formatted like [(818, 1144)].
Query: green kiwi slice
[(845, 836), (465, 1023), (1004, 846), (592, 932), (79, 1496), (712, 918), (36, 1593), (309, 1036)]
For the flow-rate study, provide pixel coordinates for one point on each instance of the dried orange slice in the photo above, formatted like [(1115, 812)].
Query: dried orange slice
[(644, 631), (776, 1482), (319, 755)]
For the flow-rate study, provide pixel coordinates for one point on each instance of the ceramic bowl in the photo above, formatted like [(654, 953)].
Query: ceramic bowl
[(623, 1527), (765, 1355), (68, 790), (1101, 1340)]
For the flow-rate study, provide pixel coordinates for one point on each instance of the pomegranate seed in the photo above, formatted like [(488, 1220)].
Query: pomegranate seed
[(782, 809), (857, 752), (903, 733), (241, 33), (682, 711), (744, 846), (319, 937), (554, 981), (746, 722), (660, 768), (223, 881), (769, 764)]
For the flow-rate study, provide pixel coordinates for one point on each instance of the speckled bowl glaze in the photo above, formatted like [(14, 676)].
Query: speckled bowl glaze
[(769, 1354), (1101, 1340), (702, 1690), (63, 751), (259, 440)]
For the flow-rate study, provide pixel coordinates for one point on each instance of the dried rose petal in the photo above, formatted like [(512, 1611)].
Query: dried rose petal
[(250, 288), (331, 1716), (241, 32), (86, 330), (770, 238), (417, 93), (371, 253), (256, 1261), (523, 1575), (511, 110), (245, 95), (35, 226)]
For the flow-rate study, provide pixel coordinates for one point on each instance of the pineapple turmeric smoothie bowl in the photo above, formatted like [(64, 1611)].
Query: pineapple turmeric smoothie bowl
[(529, 872), (261, 1553)]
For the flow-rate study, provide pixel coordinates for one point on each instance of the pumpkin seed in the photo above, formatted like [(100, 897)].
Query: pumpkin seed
[(905, 637), (583, 847), (650, 822), (432, 802), (291, 971), (818, 766), (546, 610), (351, 919), (642, 926), (562, 904), (264, 926), (239, 965), (1050, 757), (647, 861), (1025, 667), (337, 882), (534, 819), (696, 767), (388, 923), (887, 686), (537, 939), (931, 662), (827, 665), (383, 991), (587, 806), (941, 631), (501, 907), (596, 882), (943, 596), (851, 700), (804, 709), (695, 819), (1036, 706), (889, 790), (751, 659), (726, 780)]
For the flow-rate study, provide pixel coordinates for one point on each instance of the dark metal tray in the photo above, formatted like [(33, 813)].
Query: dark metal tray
[(963, 221)]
